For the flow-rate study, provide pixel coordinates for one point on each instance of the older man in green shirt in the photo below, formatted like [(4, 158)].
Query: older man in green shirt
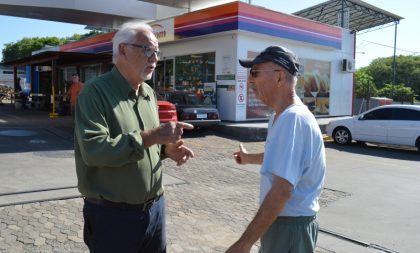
[(119, 144)]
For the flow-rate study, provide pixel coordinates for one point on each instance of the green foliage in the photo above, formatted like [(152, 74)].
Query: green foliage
[(76, 37), (89, 34), (407, 71), (398, 92), (25, 47), (365, 87)]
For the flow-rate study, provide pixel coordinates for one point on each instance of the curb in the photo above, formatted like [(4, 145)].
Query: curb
[(249, 133), (326, 138), (244, 133)]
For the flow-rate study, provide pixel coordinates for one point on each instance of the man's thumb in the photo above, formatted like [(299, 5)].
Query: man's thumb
[(241, 148)]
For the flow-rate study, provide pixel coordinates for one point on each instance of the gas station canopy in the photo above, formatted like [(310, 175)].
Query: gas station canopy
[(60, 59), (101, 14), (355, 15), (190, 5)]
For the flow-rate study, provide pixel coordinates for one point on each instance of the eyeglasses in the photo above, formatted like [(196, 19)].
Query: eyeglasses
[(148, 51), (254, 72)]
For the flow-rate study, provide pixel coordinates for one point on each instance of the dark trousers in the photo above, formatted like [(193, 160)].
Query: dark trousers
[(113, 229)]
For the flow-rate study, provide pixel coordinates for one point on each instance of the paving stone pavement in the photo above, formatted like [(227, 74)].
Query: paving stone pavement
[(205, 214)]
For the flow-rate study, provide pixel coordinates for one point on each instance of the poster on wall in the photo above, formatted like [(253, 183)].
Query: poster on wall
[(313, 88), (313, 85)]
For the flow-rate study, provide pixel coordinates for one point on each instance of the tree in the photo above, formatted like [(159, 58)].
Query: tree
[(407, 72), (365, 86), (399, 92), (24, 47), (380, 70)]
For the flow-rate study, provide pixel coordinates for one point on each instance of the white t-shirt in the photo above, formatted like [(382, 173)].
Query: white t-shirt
[(294, 150)]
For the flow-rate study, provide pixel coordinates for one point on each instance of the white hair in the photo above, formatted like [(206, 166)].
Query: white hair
[(127, 34)]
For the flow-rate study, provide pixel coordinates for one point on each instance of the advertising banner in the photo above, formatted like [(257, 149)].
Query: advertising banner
[(313, 88), (314, 85)]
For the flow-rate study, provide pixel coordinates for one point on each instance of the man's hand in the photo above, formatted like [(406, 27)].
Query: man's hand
[(178, 152), (244, 157), (240, 156), (166, 133), (171, 131), (239, 247)]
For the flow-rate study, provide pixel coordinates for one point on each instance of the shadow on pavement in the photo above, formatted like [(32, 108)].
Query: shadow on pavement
[(401, 153), (33, 131)]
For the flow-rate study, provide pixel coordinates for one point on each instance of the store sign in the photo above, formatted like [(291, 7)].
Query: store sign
[(241, 98), (241, 92), (164, 30), (227, 64)]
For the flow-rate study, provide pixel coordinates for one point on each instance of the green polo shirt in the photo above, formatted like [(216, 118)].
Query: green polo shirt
[(111, 161)]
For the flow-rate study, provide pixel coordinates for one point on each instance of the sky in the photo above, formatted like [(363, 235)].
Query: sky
[(369, 46)]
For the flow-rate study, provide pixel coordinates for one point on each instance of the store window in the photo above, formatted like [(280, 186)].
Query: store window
[(163, 79), (195, 73), (89, 71)]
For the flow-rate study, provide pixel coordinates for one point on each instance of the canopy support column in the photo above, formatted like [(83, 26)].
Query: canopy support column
[(393, 60)]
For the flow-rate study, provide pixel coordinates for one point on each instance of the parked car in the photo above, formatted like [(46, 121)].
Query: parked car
[(191, 108), (388, 124), (167, 111)]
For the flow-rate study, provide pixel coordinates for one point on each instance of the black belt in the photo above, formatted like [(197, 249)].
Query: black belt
[(103, 202)]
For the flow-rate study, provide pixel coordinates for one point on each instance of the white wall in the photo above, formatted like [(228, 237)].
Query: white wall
[(341, 95)]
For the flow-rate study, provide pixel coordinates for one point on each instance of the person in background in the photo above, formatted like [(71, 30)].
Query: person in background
[(74, 91), (119, 144), (21, 94), (293, 162)]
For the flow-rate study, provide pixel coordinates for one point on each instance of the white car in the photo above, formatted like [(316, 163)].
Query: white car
[(388, 124)]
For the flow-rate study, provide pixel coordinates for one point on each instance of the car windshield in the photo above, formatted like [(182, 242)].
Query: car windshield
[(193, 99)]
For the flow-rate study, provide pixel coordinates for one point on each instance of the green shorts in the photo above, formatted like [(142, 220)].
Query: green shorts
[(290, 235)]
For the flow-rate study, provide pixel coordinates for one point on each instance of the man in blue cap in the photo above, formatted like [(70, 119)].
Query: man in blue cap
[(292, 164)]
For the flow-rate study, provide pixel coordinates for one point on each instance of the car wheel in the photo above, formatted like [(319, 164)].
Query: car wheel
[(418, 143), (342, 136)]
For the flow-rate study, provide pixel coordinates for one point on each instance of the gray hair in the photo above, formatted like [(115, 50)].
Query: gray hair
[(291, 79), (127, 34)]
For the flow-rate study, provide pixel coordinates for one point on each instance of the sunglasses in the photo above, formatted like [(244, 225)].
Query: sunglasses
[(254, 72), (148, 51)]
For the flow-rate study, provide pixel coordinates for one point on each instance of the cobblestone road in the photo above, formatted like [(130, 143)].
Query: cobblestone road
[(205, 214)]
